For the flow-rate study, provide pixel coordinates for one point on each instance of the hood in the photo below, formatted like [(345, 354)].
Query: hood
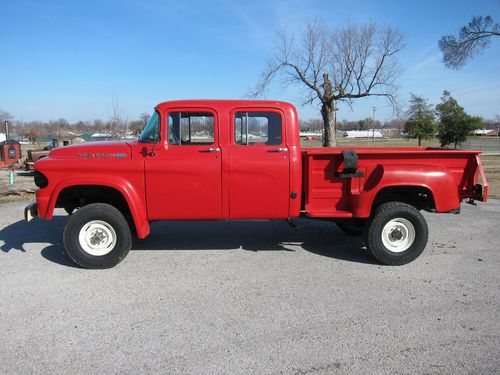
[(93, 150)]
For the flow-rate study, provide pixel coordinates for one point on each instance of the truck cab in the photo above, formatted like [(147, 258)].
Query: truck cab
[(212, 160)]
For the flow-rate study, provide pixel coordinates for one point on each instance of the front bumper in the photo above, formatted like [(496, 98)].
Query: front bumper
[(30, 212)]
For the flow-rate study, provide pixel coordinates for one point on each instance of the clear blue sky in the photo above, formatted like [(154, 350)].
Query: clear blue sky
[(70, 58)]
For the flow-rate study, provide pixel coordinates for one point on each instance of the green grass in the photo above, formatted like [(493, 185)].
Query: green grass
[(384, 142)]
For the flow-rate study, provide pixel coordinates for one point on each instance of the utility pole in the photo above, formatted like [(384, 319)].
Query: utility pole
[(7, 130), (482, 136), (373, 123)]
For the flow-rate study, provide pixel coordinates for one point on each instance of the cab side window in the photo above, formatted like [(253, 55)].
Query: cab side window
[(258, 128), (190, 128)]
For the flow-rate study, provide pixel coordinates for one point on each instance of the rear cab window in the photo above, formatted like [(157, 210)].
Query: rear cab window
[(257, 128)]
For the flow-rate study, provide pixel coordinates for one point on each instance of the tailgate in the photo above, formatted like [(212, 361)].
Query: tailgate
[(480, 191)]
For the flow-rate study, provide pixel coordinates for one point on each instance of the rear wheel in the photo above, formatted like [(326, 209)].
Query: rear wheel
[(397, 234), (97, 236)]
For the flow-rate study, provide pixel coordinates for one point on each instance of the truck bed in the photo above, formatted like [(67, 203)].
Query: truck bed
[(448, 175)]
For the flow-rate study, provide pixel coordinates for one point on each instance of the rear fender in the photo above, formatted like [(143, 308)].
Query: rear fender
[(439, 181)]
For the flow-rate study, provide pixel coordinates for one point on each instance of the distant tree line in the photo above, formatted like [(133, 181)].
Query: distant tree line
[(447, 121), (62, 128)]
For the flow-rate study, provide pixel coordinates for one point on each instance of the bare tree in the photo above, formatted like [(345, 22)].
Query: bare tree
[(398, 126), (81, 126), (58, 128), (33, 130), (312, 125), (98, 125), (472, 40), (144, 117), (136, 126), (117, 122), (334, 65), (4, 116)]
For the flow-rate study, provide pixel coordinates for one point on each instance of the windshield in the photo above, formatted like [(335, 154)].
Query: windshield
[(151, 132)]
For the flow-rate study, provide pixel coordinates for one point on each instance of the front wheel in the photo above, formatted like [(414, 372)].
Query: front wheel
[(97, 236), (397, 234)]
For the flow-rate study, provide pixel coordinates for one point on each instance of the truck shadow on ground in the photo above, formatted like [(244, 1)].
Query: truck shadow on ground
[(16, 236), (317, 237)]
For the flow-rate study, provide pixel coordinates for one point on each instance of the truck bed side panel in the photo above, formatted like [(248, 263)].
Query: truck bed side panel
[(450, 176)]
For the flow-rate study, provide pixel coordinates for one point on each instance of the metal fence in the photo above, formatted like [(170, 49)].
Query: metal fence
[(489, 145)]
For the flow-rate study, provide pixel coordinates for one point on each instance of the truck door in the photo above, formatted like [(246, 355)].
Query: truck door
[(183, 176), (258, 165)]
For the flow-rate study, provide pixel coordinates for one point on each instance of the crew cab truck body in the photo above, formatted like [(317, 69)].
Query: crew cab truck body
[(234, 160)]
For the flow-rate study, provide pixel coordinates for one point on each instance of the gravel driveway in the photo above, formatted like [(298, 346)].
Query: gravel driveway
[(252, 297)]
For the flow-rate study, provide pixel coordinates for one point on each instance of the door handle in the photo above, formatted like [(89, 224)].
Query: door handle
[(279, 149), (210, 149)]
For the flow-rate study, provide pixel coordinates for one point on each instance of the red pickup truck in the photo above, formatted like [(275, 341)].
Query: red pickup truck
[(234, 160)]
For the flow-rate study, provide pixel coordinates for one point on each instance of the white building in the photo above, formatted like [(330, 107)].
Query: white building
[(363, 134), (484, 132), (2, 137)]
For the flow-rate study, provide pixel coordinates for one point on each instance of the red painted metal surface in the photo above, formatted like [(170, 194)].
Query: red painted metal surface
[(184, 181), (226, 180), (10, 153), (258, 175), (449, 175), (110, 164)]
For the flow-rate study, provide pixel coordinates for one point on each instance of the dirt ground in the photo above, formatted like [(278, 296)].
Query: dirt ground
[(22, 189)]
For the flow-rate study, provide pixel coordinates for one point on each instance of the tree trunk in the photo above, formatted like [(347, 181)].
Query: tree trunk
[(329, 125), (419, 141)]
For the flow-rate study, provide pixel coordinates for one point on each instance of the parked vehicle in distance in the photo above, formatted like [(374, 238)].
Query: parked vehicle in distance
[(32, 156), (234, 160)]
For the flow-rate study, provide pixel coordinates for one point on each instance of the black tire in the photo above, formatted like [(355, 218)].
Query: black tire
[(352, 227), (69, 210), (110, 229), (401, 215)]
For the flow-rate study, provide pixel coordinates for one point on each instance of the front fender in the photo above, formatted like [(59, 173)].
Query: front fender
[(47, 202), (438, 180)]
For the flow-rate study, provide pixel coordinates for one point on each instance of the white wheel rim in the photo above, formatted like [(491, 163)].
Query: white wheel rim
[(398, 235), (97, 238)]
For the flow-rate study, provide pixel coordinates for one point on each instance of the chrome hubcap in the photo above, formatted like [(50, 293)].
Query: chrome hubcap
[(398, 235), (97, 238)]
